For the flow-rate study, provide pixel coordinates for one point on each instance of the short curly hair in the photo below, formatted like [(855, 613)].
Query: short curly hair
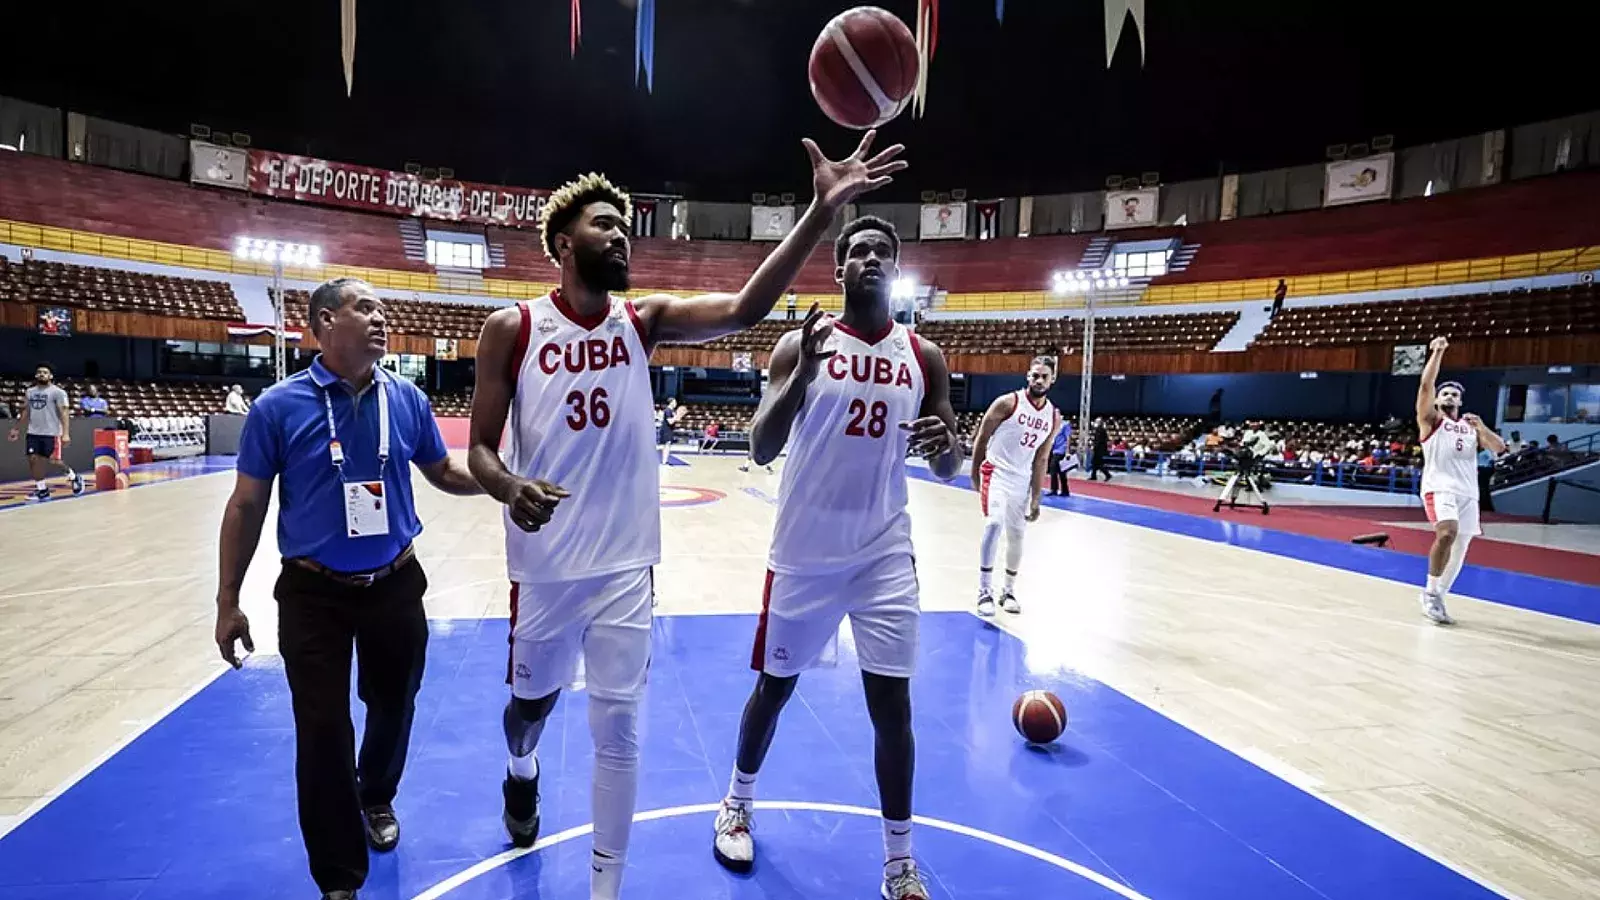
[(570, 199), (841, 246)]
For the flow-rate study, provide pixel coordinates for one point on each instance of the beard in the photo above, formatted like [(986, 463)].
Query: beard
[(1450, 409), (600, 272), (1035, 391), (860, 294)]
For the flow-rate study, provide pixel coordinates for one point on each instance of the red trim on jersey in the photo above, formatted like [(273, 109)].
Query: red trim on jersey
[(985, 474), (511, 637), (758, 653), (519, 351), (566, 310), (638, 324), (916, 347), (864, 338), (1036, 406)]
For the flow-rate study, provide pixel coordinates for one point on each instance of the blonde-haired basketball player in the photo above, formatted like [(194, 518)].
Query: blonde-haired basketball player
[(1450, 441), (581, 482), (1009, 459), (849, 398)]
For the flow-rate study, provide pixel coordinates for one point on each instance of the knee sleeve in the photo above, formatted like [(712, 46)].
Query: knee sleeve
[(991, 542), (888, 703), (1452, 566), (614, 726)]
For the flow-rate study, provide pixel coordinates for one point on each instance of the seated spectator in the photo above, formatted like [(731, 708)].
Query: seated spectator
[(236, 404), (92, 404), (708, 441)]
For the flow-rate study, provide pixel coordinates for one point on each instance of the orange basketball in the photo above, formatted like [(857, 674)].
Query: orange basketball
[(1039, 716), (864, 67)]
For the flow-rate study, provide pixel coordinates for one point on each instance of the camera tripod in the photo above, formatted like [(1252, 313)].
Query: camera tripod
[(1244, 478)]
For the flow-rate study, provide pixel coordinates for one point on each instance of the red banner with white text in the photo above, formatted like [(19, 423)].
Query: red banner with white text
[(313, 180)]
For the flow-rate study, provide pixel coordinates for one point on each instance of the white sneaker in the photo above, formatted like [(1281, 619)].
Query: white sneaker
[(902, 881), (1008, 602), (1433, 609), (734, 846), (985, 603)]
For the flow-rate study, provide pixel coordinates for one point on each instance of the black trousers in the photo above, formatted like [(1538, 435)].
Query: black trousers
[(1097, 465), (320, 621), (1058, 478)]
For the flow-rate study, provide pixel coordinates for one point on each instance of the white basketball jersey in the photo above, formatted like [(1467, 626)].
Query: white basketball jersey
[(842, 499), (1017, 440), (583, 419), (1450, 459)]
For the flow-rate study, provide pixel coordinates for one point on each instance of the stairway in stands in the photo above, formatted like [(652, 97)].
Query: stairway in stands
[(414, 239), (1096, 254), (1181, 259)]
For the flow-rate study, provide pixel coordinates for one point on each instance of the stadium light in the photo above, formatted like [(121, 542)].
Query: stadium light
[(306, 256), (903, 288)]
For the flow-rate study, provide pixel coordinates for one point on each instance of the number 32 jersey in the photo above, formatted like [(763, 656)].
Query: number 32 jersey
[(842, 498), (583, 419)]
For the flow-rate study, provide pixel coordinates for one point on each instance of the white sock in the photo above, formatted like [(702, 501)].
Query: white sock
[(1433, 585), (39, 486), (742, 786), (896, 840), (605, 876), (1011, 580), (523, 768)]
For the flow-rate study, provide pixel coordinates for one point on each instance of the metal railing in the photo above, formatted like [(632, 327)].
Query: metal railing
[(1386, 478)]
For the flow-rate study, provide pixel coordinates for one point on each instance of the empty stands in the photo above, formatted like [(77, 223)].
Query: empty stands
[(418, 317), (1535, 313), (92, 287), (129, 399), (1186, 331)]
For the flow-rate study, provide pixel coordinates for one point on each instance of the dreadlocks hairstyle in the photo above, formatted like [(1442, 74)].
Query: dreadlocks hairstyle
[(567, 202)]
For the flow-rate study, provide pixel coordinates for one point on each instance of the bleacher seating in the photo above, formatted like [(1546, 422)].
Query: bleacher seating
[(1158, 433), (92, 287), (1535, 313), (131, 399), (418, 317)]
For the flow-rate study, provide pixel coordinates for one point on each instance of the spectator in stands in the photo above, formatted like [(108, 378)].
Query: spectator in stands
[(708, 441), (236, 404), (92, 404), (1557, 453), (1058, 452), (1516, 444), (1278, 295)]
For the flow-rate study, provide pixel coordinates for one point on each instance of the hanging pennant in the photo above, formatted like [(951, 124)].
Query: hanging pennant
[(1116, 14), (1000, 11), (927, 42), (577, 25), (347, 43), (644, 44)]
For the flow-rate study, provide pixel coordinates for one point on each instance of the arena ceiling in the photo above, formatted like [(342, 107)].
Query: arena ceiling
[(1025, 106)]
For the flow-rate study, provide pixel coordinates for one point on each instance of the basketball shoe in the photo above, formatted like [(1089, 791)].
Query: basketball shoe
[(734, 847), (521, 813), (985, 603), (1433, 609), (902, 881), (1008, 602), (77, 483)]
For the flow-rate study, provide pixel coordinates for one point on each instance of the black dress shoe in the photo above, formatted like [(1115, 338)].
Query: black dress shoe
[(383, 829)]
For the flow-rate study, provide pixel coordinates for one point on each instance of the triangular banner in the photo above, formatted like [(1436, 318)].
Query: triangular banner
[(347, 43), (1116, 14)]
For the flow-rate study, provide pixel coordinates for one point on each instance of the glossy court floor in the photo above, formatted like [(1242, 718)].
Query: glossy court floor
[(1254, 714)]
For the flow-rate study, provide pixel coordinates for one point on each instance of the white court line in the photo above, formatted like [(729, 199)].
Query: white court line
[(93, 587), (39, 804), (495, 862)]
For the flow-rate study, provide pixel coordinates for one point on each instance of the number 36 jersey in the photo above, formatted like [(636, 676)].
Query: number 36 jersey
[(583, 419), (842, 499)]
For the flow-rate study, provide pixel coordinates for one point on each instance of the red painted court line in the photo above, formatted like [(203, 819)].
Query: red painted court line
[(1333, 524)]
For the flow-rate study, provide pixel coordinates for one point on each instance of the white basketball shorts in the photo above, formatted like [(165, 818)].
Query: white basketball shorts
[(801, 614), (1443, 506), (567, 632), (1004, 500)]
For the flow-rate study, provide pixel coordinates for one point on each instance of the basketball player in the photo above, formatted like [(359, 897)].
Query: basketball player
[(1450, 440), (1008, 464), (581, 483), (47, 423), (849, 397)]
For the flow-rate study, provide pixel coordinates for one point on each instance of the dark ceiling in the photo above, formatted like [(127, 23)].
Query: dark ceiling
[(487, 86)]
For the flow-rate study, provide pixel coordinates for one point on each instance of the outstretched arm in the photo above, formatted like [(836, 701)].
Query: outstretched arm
[(1428, 389), (693, 319), (999, 411), (933, 435)]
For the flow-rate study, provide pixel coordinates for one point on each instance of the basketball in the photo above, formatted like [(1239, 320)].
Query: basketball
[(864, 67), (1039, 716)]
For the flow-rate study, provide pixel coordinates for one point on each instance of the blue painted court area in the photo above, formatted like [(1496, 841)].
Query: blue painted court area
[(1127, 804), (1566, 599)]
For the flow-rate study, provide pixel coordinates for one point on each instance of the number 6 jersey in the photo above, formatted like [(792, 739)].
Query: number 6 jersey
[(583, 419), (842, 499)]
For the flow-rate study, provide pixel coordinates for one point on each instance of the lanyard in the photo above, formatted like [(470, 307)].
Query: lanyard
[(337, 452)]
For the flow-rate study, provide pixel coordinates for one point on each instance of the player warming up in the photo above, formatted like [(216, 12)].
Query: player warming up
[(47, 424), (1450, 441), (580, 480), (1009, 459), (849, 397)]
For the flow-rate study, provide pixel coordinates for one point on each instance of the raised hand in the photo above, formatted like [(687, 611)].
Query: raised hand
[(1439, 344), (814, 334), (534, 503), (838, 183)]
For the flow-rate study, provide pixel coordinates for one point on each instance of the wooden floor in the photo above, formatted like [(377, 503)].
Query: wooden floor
[(1478, 744)]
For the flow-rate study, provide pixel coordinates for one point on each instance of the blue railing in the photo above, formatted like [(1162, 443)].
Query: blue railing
[(1387, 478)]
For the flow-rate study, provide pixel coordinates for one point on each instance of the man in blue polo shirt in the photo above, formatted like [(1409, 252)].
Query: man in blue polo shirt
[(340, 438)]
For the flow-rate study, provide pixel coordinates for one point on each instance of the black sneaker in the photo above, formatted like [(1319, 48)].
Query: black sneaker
[(383, 829), (338, 895), (77, 483), (521, 813)]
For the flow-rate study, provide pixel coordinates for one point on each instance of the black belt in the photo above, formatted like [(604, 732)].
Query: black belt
[(356, 579)]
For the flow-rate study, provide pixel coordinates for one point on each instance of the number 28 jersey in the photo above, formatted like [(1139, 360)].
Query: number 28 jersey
[(842, 498), (583, 419)]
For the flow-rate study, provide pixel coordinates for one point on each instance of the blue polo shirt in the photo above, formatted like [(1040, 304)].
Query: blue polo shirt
[(1059, 446), (286, 437)]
